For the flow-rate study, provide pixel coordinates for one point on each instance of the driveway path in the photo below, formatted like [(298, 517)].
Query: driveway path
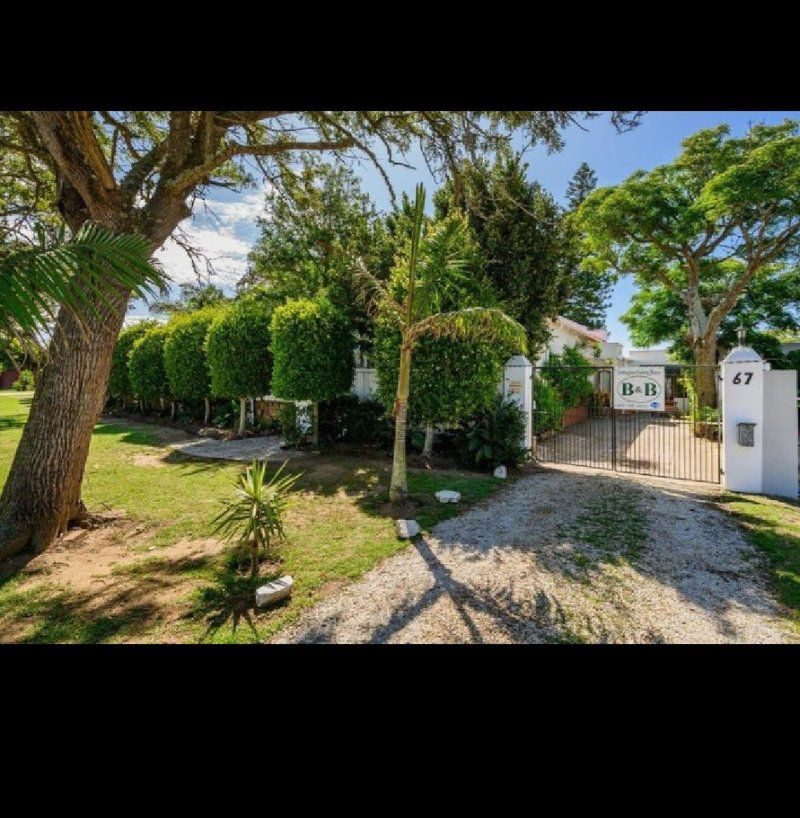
[(565, 555)]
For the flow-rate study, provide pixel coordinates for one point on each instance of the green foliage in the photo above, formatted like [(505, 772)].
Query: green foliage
[(90, 267), (185, 356), (146, 373), (589, 291), (702, 233), (238, 350), (312, 347), (295, 425), (549, 409), (569, 373), (25, 381), (492, 437), (317, 227), (520, 231), (193, 297), (255, 518), (451, 378), (350, 419), (119, 385)]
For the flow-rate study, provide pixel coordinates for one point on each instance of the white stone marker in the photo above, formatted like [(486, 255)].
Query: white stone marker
[(274, 591), (406, 529), (518, 386), (759, 425), (447, 496), (500, 472)]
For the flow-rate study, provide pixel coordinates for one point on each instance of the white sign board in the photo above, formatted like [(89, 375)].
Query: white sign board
[(639, 387)]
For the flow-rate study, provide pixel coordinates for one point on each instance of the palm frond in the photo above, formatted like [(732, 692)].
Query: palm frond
[(373, 292), (486, 323), (35, 281)]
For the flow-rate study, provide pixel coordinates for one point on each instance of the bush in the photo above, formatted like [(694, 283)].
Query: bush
[(349, 419), (238, 351), (569, 373), (492, 437), (185, 356), (25, 381), (146, 373), (312, 348), (451, 379), (549, 409), (119, 385)]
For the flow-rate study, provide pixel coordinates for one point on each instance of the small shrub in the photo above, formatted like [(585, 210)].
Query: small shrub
[(312, 346), (146, 373), (349, 419), (185, 356), (492, 437), (25, 381), (549, 409), (295, 425), (119, 385)]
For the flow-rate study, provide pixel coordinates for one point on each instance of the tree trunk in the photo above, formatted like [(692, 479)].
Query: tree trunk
[(705, 358), (42, 492), (427, 449), (315, 425), (242, 416), (207, 415), (172, 410), (398, 489)]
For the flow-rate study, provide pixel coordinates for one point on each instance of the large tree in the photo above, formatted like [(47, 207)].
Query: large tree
[(141, 172), (312, 232), (520, 230), (706, 227), (589, 292)]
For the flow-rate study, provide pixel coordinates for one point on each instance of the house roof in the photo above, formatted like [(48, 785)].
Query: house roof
[(580, 329)]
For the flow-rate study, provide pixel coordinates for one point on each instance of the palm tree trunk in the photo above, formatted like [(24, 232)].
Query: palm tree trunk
[(427, 449), (242, 416), (208, 410), (398, 489)]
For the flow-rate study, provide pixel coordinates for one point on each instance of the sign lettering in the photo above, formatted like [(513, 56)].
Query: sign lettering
[(639, 387)]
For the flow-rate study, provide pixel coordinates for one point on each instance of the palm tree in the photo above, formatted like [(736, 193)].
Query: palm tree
[(36, 280), (434, 272), (255, 517)]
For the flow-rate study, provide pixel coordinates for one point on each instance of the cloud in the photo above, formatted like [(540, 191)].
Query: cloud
[(224, 236)]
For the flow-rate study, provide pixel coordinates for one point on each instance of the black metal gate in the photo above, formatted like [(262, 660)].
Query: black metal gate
[(577, 421)]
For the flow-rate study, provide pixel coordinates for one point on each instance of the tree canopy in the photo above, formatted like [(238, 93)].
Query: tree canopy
[(520, 232), (705, 228), (119, 385), (146, 372), (185, 361)]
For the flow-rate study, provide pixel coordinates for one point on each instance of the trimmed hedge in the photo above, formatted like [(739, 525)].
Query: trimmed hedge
[(146, 373), (451, 379), (185, 356), (312, 346), (238, 351), (119, 385)]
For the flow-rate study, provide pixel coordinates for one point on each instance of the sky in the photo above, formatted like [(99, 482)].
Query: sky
[(226, 228)]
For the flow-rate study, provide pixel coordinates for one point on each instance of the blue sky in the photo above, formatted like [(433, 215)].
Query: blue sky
[(227, 236)]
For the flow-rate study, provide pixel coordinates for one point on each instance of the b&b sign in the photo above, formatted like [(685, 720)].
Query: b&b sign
[(639, 387)]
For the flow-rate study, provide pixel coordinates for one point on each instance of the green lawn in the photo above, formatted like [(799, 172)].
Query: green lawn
[(773, 525), (337, 528)]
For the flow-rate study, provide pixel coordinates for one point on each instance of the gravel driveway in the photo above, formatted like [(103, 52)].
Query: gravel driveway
[(565, 555)]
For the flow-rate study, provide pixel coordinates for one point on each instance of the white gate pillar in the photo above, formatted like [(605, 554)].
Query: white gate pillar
[(759, 425), (518, 386)]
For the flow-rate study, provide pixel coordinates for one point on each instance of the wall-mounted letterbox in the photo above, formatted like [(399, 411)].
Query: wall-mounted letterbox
[(746, 434)]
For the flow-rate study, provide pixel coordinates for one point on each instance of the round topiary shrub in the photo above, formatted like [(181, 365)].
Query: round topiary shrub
[(146, 365), (312, 348), (185, 361), (238, 353), (119, 385)]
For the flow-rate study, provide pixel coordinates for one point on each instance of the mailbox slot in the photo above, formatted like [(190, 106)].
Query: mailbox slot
[(746, 433)]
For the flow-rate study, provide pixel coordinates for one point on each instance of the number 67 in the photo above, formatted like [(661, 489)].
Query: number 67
[(748, 376)]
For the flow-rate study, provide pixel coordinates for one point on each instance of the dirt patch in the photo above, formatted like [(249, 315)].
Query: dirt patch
[(111, 574), (154, 460)]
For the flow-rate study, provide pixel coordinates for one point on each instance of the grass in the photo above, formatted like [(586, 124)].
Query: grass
[(612, 525), (337, 529), (773, 526)]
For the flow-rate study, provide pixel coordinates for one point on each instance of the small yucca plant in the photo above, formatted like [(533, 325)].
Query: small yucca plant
[(255, 517)]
